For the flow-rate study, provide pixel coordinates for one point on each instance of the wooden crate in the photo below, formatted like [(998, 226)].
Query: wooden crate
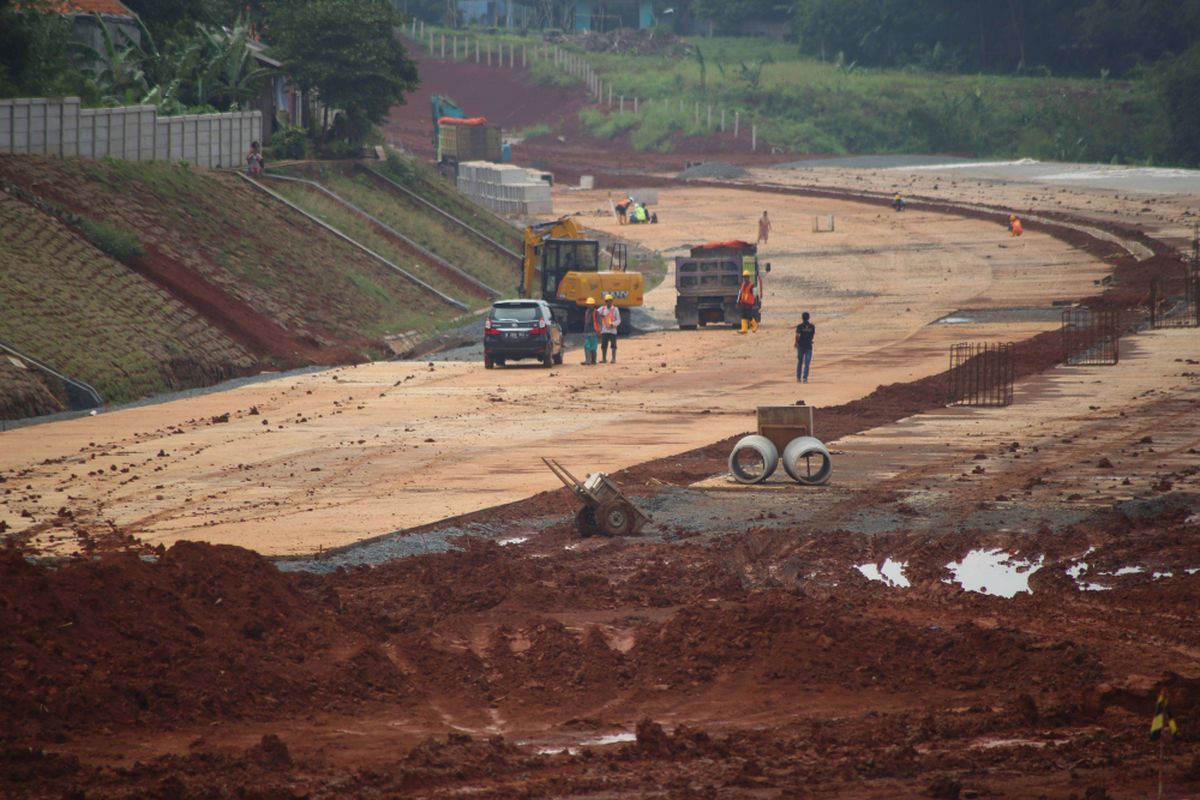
[(781, 424)]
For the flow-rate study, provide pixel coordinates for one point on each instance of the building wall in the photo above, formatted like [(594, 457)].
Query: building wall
[(58, 126)]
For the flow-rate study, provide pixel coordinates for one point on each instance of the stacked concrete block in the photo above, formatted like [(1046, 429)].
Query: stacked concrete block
[(58, 126), (505, 188)]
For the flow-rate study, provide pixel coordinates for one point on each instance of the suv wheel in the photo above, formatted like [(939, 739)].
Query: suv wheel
[(487, 362), (548, 358)]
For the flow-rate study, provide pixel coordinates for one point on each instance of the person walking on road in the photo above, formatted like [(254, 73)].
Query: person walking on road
[(591, 332), (610, 320), (747, 302), (764, 228), (805, 332)]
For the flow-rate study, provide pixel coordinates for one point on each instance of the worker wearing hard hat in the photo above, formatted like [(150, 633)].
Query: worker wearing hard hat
[(747, 301), (609, 317), (591, 332), (1015, 228)]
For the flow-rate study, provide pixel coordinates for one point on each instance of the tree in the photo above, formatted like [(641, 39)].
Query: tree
[(349, 53), (34, 48), (1176, 80)]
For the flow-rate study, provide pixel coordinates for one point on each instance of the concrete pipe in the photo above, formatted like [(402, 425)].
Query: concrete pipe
[(753, 459), (808, 461)]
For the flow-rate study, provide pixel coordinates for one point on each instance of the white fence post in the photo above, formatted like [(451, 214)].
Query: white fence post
[(737, 118), (753, 137)]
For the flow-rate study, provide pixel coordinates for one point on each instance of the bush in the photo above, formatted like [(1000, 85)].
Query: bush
[(606, 126), (289, 142), (340, 149), (547, 73), (401, 168), (117, 242)]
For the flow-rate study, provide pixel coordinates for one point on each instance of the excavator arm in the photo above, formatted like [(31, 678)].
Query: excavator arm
[(561, 228)]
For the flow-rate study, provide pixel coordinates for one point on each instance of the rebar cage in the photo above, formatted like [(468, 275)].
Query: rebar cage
[(1175, 299), (981, 374), (1090, 338)]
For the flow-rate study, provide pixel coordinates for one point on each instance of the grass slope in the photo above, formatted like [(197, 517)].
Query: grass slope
[(301, 278), (425, 181), (95, 320), (431, 231), (231, 281)]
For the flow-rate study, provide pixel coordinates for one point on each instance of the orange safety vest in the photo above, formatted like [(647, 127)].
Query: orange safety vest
[(1017, 228), (746, 294)]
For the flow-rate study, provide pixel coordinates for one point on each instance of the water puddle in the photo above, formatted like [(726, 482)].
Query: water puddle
[(513, 540), (595, 741), (890, 572), (993, 572), (992, 744)]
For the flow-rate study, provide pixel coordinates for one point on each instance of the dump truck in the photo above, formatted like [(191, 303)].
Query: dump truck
[(707, 281), (458, 138), (569, 266)]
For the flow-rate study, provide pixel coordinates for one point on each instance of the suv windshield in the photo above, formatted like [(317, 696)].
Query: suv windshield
[(517, 313)]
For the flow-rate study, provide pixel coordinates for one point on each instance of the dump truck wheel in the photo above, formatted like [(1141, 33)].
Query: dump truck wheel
[(615, 517), (585, 522)]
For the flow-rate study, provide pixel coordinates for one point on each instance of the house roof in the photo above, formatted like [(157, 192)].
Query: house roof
[(108, 8)]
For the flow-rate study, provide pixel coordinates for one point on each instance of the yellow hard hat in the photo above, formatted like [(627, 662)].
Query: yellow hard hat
[(608, 297), (591, 301), (746, 274), (1012, 216)]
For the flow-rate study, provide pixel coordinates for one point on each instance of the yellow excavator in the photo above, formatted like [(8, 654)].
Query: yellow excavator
[(569, 265)]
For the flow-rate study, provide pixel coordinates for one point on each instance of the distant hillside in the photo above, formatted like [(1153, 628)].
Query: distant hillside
[(230, 282)]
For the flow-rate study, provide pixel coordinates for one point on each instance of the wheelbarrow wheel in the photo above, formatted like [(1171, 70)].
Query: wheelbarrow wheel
[(585, 522), (615, 517)]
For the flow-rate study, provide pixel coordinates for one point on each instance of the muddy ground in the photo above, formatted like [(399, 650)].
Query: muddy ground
[(846, 641)]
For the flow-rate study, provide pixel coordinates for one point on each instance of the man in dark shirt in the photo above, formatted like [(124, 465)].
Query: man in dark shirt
[(804, 343)]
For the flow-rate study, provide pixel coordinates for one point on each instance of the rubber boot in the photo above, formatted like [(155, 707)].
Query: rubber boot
[(743, 330), (614, 355), (754, 326)]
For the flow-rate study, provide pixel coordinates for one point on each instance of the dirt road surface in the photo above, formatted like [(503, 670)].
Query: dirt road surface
[(306, 464), (983, 603)]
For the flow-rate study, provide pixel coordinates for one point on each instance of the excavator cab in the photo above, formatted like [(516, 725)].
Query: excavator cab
[(560, 256)]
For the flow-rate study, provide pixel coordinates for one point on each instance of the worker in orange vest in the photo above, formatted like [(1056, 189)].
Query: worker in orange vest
[(747, 301), (609, 317), (1014, 225)]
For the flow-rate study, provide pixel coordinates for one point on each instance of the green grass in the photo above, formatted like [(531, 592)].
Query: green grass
[(424, 180), (533, 131), (802, 105)]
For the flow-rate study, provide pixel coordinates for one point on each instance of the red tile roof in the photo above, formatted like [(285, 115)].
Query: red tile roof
[(110, 8)]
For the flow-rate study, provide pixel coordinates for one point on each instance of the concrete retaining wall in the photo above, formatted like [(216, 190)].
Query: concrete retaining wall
[(58, 126), (505, 188)]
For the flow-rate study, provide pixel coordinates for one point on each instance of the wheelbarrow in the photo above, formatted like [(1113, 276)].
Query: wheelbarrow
[(605, 510)]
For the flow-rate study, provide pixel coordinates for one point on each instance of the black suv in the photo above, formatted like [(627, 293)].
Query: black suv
[(516, 329)]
